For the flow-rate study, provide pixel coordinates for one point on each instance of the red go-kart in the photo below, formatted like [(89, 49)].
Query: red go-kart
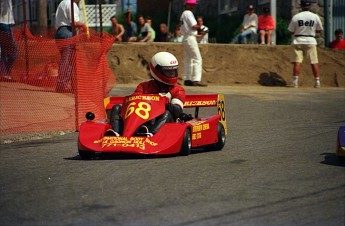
[(178, 137)]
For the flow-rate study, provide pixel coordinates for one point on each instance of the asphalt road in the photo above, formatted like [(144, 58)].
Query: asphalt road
[(278, 168)]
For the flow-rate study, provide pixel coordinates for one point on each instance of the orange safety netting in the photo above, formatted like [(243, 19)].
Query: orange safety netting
[(47, 89)]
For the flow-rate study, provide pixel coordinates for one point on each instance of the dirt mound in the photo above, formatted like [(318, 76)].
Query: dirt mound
[(226, 64)]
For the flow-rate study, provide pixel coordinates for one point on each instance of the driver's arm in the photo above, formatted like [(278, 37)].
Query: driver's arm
[(174, 109)]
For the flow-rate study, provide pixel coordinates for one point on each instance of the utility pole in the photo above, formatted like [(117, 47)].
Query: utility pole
[(274, 15), (42, 14)]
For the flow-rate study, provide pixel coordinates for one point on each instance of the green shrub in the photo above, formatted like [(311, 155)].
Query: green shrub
[(283, 36)]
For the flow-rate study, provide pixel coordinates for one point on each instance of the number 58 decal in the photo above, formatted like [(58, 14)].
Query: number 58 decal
[(142, 109), (221, 110)]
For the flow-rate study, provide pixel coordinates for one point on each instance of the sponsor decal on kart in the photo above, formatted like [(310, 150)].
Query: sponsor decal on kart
[(198, 127), (200, 103), (131, 98), (135, 142)]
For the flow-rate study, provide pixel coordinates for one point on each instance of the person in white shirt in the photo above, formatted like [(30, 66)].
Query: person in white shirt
[(304, 27), (8, 46), (192, 56), (202, 36), (63, 20), (63, 24), (145, 30), (249, 26), (153, 32)]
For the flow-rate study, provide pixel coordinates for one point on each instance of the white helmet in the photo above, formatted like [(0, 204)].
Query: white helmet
[(164, 68)]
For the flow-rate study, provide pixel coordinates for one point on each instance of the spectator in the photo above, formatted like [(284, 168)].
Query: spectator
[(304, 26), (145, 30), (8, 46), (117, 29), (339, 42), (192, 56), (163, 34), (130, 28), (266, 26), (153, 32), (178, 37), (202, 36), (249, 26), (63, 25)]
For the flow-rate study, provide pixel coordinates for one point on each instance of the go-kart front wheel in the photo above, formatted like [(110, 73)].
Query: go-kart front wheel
[(87, 155), (186, 143)]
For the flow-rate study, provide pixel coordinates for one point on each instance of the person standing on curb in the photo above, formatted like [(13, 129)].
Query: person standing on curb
[(63, 25), (192, 56), (8, 46), (304, 26)]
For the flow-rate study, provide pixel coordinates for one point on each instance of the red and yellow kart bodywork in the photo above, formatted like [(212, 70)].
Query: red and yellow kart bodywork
[(172, 138), (341, 142)]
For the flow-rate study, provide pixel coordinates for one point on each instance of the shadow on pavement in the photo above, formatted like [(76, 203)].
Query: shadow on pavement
[(333, 160)]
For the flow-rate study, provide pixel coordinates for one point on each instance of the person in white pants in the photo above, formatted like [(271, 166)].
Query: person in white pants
[(192, 56)]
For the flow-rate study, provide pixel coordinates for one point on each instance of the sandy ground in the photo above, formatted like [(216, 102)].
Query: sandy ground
[(227, 64)]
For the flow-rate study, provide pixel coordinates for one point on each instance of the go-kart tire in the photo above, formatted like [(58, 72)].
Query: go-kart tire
[(186, 143), (221, 139), (87, 155)]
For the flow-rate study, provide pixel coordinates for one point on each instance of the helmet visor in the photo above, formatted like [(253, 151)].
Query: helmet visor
[(169, 71)]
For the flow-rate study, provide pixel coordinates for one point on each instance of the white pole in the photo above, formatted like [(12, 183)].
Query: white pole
[(274, 15), (169, 12)]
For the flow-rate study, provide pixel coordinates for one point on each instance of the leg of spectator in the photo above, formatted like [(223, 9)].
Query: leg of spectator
[(296, 69), (67, 60), (262, 37), (8, 49), (188, 64), (316, 71), (194, 53), (312, 54), (269, 33), (243, 36)]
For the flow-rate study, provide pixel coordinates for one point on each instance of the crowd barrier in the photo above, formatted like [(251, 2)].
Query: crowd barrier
[(31, 96)]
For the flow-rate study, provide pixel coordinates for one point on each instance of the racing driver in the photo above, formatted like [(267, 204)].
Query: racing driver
[(164, 71)]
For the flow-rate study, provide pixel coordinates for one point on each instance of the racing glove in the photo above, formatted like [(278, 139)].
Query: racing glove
[(167, 95), (174, 109)]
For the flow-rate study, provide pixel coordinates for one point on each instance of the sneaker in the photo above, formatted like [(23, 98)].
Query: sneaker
[(197, 83), (188, 83), (317, 83), (294, 84), (111, 132)]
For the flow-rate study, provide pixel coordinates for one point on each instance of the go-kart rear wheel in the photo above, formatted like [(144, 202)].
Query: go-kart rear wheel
[(187, 143), (87, 155), (221, 139)]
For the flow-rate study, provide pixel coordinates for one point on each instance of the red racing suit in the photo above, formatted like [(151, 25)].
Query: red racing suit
[(175, 93)]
